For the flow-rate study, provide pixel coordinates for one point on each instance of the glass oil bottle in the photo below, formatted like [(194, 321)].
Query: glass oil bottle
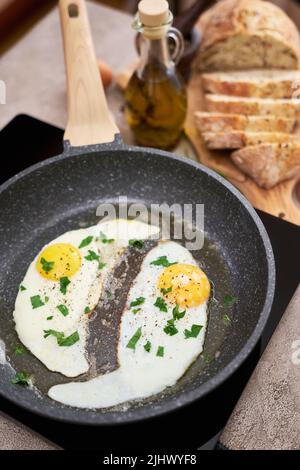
[(156, 100)]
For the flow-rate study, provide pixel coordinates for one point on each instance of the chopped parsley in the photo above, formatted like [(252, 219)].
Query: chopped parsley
[(36, 301), (136, 310), (136, 243), (103, 238), (177, 315), (160, 351), (70, 340), (61, 339), (166, 291), (64, 282), (193, 332), (63, 310), (87, 310), (229, 300), (21, 378), (162, 261), (137, 302), (161, 304), (109, 294), (170, 329), (147, 346), (92, 256), (50, 318), (47, 266), (19, 350), (46, 299), (226, 319), (22, 288), (86, 241), (132, 342), (101, 265)]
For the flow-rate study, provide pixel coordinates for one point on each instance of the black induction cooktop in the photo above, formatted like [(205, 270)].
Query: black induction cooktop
[(25, 141)]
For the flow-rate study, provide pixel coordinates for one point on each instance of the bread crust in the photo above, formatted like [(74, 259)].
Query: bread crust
[(269, 164), (238, 139), (289, 108), (258, 27), (254, 83), (221, 122)]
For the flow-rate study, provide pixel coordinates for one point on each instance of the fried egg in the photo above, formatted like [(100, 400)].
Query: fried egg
[(162, 332), (62, 286)]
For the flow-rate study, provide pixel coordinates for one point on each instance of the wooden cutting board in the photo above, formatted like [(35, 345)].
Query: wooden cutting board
[(280, 201)]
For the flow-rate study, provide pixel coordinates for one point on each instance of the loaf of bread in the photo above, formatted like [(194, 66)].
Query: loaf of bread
[(221, 122), (269, 164), (247, 34), (238, 139), (254, 83), (289, 108)]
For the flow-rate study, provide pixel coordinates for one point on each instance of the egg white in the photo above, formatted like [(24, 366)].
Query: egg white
[(83, 291), (140, 373)]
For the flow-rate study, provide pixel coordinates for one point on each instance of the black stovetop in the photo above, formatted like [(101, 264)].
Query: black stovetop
[(23, 141)]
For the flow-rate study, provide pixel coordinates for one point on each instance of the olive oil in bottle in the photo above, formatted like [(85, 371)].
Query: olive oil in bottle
[(155, 97)]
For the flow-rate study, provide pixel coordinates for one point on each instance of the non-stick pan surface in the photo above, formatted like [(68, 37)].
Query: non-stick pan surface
[(64, 192)]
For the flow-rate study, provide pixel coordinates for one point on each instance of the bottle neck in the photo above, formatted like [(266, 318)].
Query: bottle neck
[(154, 55)]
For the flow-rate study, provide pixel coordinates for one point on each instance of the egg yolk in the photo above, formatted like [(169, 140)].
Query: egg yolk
[(59, 260), (184, 284)]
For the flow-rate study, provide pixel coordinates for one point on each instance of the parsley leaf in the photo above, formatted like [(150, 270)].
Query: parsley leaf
[(64, 282), (101, 265), (60, 336), (132, 342), (160, 351), (229, 300), (92, 256), (22, 288), (50, 318), (19, 350), (103, 238), (166, 291), (21, 378), (87, 310), (170, 329), (193, 332), (226, 319), (138, 301), (86, 241), (36, 301), (47, 265), (46, 299), (147, 346), (136, 243), (161, 304), (70, 340), (177, 315), (162, 261), (63, 310), (136, 310)]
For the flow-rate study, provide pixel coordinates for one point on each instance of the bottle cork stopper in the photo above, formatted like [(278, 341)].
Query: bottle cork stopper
[(153, 12)]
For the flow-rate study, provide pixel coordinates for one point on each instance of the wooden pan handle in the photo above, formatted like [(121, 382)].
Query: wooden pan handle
[(90, 121)]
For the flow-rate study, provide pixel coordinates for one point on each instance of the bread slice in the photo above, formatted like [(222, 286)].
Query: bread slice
[(247, 34), (238, 139), (254, 83), (289, 108), (269, 164), (221, 122)]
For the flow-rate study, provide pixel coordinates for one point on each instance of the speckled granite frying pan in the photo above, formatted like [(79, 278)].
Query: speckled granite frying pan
[(62, 193)]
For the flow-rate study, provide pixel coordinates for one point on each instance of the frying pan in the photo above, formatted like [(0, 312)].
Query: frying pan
[(63, 192)]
